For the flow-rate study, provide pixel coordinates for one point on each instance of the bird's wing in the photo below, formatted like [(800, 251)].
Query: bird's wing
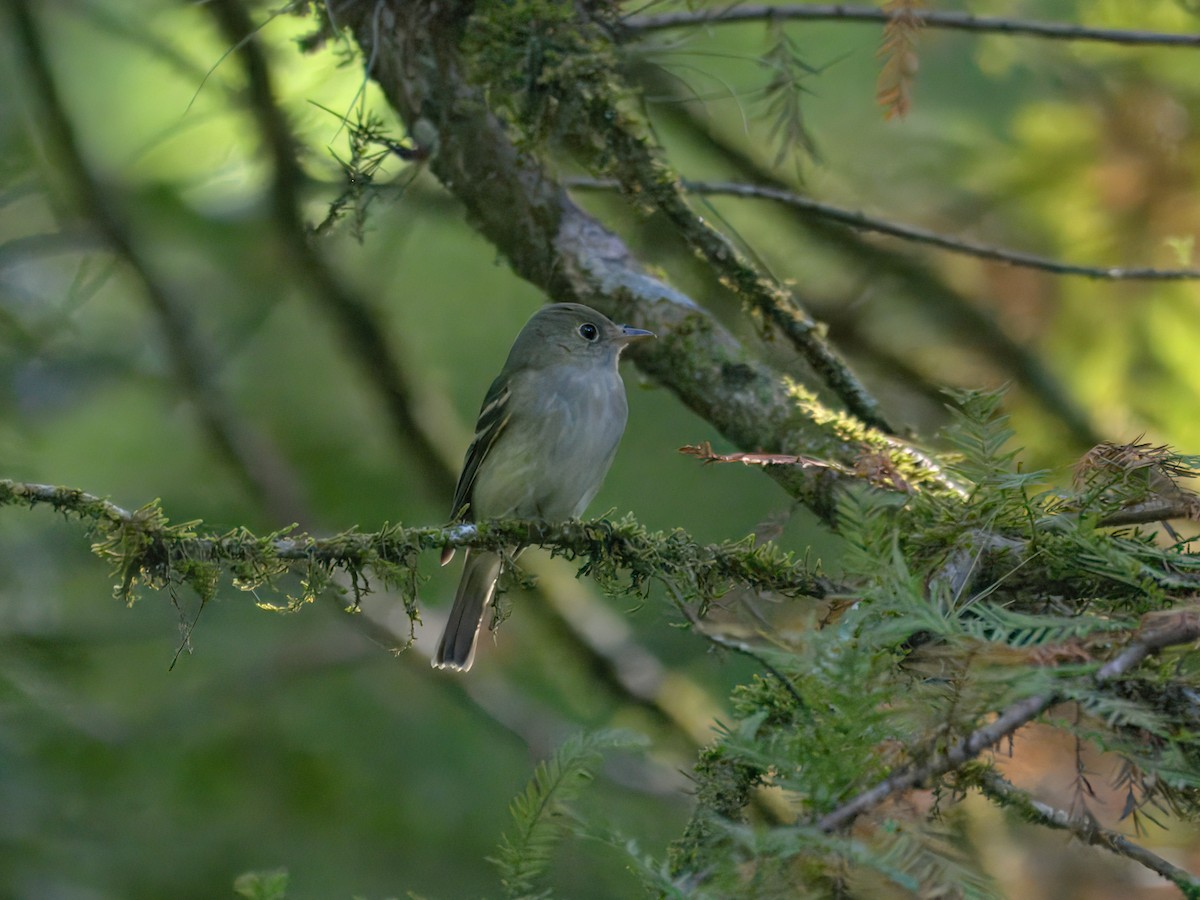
[(493, 419)]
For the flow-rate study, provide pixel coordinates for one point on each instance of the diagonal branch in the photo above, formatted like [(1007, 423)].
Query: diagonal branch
[(949, 20), (997, 788), (1158, 630), (968, 319), (737, 646), (365, 332), (863, 222), (642, 175)]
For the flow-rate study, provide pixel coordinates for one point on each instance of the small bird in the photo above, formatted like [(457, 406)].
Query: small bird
[(546, 435)]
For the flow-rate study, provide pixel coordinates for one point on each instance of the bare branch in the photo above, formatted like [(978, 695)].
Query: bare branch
[(949, 20), (1160, 509), (863, 222), (1158, 630), (999, 789)]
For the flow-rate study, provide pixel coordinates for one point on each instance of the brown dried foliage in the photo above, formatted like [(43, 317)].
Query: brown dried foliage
[(893, 90)]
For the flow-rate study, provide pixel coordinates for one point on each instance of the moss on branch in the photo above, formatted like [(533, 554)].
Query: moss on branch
[(146, 550)]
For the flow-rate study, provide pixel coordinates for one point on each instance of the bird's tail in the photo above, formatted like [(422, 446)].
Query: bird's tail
[(456, 649)]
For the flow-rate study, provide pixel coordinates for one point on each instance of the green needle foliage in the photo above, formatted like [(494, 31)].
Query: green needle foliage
[(974, 596), (950, 610), (954, 611), (541, 813)]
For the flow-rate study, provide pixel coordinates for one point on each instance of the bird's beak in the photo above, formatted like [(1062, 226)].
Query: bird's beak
[(632, 335)]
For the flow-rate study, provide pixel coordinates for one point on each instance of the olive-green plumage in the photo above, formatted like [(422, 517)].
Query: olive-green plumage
[(545, 438)]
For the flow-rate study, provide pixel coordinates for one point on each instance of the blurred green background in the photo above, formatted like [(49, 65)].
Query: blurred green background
[(299, 740)]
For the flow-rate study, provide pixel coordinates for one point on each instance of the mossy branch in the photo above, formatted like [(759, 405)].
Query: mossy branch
[(646, 178), (1001, 791), (145, 548)]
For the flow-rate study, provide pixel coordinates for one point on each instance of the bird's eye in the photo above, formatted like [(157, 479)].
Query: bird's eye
[(588, 331)]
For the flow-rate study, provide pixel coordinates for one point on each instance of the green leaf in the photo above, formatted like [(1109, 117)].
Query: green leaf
[(266, 885)]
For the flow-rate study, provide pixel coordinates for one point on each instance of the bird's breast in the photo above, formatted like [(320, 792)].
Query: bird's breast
[(557, 448)]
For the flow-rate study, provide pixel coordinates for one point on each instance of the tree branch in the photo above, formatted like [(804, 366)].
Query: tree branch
[(1160, 509), (150, 545), (967, 319), (1158, 630), (949, 20), (737, 646), (361, 327), (17, 250), (1003, 792), (644, 177), (862, 222)]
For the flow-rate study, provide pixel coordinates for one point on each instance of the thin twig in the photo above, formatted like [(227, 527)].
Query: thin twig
[(1157, 631), (863, 222), (71, 500), (950, 20), (999, 789), (1159, 509)]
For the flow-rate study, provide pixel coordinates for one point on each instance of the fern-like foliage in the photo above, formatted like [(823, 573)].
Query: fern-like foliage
[(782, 96), (923, 860), (542, 810), (952, 610), (899, 54)]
